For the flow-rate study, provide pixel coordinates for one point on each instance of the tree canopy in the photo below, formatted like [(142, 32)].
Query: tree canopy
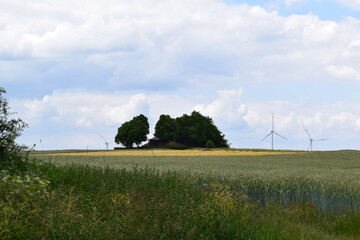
[(133, 132), (193, 130), (166, 128)]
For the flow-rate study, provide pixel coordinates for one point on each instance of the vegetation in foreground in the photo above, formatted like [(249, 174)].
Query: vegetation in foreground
[(83, 202)]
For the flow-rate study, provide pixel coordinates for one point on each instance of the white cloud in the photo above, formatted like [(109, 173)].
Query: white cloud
[(344, 72), (169, 44), (353, 4), (227, 110), (290, 117), (84, 110), (180, 49), (136, 105), (65, 118)]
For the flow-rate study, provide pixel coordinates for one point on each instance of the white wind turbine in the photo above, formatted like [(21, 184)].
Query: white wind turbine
[(312, 140), (106, 142), (272, 132)]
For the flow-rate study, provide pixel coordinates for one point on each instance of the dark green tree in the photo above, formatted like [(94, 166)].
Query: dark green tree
[(166, 128), (133, 132), (192, 130), (12, 155)]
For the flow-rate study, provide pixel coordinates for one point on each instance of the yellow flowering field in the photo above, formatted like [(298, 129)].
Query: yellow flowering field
[(193, 152)]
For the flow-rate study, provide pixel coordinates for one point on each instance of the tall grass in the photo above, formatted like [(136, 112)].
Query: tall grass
[(84, 202), (331, 180)]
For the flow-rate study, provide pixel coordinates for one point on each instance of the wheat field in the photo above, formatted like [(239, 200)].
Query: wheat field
[(192, 152)]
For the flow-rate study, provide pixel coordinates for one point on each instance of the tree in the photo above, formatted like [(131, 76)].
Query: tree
[(192, 130), (11, 154), (166, 128), (133, 132), (196, 129)]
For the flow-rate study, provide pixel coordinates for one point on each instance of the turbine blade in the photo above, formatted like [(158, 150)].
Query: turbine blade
[(309, 146), (266, 136), (323, 139), (281, 136), (307, 132)]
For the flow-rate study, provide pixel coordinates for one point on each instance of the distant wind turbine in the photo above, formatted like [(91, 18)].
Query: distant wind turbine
[(106, 142), (312, 140), (272, 132)]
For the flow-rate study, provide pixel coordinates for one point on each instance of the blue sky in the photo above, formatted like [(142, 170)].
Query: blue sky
[(74, 69), (334, 10)]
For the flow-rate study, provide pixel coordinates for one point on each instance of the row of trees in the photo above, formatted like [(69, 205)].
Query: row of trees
[(193, 130)]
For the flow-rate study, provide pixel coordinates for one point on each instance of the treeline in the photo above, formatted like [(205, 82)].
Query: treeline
[(193, 130)]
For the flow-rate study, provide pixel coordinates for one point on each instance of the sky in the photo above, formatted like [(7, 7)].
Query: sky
[(75, 70)]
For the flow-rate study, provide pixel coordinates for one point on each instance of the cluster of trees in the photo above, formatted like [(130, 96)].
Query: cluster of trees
[(193, 130)]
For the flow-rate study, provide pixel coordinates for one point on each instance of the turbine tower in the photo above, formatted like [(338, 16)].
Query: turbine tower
[(272, 132), (106, 142), (312, 140)]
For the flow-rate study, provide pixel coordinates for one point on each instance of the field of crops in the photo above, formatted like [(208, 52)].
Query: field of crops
[(331, 180), (192, 194), (157, 152)]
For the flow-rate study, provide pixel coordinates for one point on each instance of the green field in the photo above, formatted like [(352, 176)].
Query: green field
[(344, 164), (97, 195), (329, 179)]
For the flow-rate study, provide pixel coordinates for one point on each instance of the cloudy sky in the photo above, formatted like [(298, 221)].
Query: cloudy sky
[(77, 69)]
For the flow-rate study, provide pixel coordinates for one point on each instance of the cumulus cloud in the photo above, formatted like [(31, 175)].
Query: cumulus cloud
[(167, 45), (74, 119), (340, 120), (85, 110), (180, 49), (227, 109)]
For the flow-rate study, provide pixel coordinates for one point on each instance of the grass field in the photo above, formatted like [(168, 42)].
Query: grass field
[(230, 195), (230, 164), (329, 179)]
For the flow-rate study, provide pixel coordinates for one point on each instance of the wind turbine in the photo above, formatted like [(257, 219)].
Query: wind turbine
[(106, 142), (272, 134), (312, 140)]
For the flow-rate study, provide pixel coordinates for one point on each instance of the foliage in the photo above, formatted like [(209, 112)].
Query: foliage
[(11, 154), (166, 128), (209, 144), (133, 132), (82, 202), (191, 130)]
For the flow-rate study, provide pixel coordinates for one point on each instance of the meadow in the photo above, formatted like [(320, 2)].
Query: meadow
[(329, 179), (190, 194)]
